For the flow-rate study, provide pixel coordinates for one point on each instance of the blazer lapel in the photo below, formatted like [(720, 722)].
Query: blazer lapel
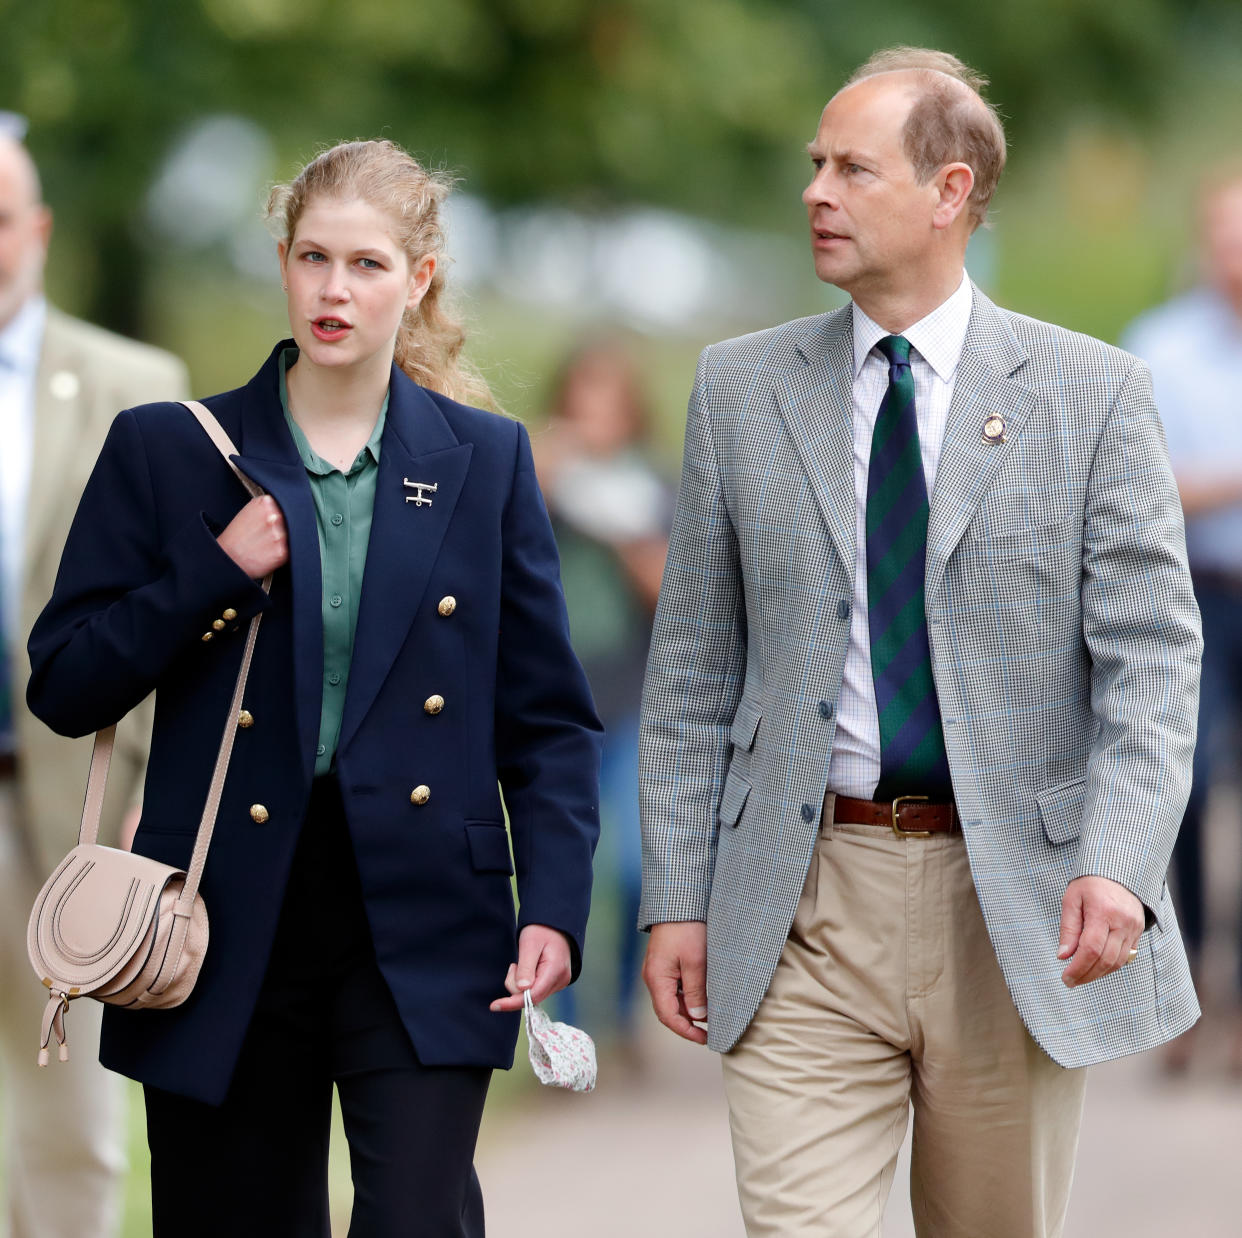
[(417, 446), (817, 403), (985, 386), (269, 457)]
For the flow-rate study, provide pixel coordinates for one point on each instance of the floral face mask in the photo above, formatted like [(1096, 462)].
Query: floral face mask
[(560, 1055)]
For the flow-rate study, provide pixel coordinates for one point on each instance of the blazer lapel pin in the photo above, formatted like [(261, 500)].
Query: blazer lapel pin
[(64, 385), (994, 429), (422, 491)]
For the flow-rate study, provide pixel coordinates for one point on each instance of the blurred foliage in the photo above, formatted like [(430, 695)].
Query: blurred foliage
[(700, 104)]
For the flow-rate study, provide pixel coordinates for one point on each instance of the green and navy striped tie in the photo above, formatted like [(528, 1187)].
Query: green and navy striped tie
[(912, 755)]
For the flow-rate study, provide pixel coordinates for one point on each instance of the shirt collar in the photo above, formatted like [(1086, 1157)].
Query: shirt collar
[(21, 341), (314, 462), (938, 338)]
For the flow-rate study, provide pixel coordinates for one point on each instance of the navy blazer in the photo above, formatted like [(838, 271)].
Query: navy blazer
[(140, 585)]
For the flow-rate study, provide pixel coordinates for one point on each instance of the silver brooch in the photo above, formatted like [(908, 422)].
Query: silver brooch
[(422, 489)]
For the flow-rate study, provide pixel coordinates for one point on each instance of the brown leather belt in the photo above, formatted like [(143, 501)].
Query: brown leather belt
[(908, 815), (8, 764)]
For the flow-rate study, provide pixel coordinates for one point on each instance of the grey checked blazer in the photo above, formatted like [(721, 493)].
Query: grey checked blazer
[(1065, 647)]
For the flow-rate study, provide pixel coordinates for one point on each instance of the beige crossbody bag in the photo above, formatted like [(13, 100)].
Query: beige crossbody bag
[(120, 927)]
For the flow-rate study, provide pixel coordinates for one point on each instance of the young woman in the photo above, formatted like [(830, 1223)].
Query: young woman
[(414, 653)]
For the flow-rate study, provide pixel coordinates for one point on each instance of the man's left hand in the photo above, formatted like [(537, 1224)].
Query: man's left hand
[(543, 966), (1101, 922)]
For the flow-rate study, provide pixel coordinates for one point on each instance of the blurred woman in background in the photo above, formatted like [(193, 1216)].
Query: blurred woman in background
[(414, 654), (610, 511)]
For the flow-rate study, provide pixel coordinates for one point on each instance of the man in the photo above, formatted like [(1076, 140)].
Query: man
[(1194, 347), (919, 710), (61, 383)]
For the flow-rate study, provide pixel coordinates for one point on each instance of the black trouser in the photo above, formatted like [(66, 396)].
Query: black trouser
[(257, 1165)]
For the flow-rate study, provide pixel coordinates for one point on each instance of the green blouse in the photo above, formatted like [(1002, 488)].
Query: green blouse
[(343, 506)]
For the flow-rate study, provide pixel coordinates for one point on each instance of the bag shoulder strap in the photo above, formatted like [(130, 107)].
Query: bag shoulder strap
[(101, 757), (224, 444)]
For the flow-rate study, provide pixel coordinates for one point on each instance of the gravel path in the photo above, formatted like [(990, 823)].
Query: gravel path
[(648, 1154)]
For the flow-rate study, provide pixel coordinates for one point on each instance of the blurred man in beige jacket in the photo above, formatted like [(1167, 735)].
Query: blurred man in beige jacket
[(61, 383)]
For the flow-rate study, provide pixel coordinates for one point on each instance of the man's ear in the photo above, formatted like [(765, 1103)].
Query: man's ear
[(953, 182), (44, 226)]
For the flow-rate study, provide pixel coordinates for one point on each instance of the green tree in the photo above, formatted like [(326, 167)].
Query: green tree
[(698, 104)]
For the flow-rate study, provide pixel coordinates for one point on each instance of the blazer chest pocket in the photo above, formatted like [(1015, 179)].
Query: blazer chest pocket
[(745, 725), (1024, 538), (489, 848), (733, 798), (1060, 811)]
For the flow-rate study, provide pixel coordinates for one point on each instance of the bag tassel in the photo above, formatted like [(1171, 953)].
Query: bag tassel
[(54, 1021)]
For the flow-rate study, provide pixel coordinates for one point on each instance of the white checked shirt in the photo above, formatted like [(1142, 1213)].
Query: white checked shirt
[(936, 348), (21, 342)]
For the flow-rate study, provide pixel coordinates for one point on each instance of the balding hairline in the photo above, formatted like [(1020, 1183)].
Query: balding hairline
[(903, 58), (25, 161), (949, 120), (925, 78), (922, 73)]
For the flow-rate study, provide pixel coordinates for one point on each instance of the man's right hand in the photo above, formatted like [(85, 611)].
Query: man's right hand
[(255, 539), (676, 975)]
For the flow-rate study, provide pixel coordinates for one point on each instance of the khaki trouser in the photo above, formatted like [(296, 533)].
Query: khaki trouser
[(888, 992), (63, 1125)]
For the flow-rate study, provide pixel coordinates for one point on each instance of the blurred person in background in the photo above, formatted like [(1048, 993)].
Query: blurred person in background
[(919, 713), (61, 383), (1194, 347), (610, 512), (413, 665)]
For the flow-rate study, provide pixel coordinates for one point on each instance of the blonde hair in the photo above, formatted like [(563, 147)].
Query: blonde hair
[(950, 122), (430, 338)]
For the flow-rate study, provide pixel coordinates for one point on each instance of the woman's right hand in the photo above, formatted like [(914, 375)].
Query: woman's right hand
[(256, 538)]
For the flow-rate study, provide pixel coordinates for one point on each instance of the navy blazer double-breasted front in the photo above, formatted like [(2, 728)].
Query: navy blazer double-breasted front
[(461, 598)]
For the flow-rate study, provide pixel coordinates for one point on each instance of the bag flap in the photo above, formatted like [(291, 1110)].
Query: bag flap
[(93, 913)]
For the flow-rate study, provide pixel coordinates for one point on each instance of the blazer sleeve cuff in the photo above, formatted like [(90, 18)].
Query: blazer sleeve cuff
[(206, 583), (1148, 893), (576, 939), (673, 904)]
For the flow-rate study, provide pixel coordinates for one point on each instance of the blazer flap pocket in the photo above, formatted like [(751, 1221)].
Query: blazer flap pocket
[(489, 848), (1163, 913), (733, 797), (1060, 810), (745, 724)]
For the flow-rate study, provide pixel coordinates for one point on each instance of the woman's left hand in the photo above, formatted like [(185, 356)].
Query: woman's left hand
[(543, 966)]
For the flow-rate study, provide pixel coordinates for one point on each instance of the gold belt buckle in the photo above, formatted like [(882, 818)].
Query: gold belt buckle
[(897, 828)]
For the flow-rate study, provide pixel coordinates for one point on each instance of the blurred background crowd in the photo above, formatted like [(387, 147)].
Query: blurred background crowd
[(630, 174)]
